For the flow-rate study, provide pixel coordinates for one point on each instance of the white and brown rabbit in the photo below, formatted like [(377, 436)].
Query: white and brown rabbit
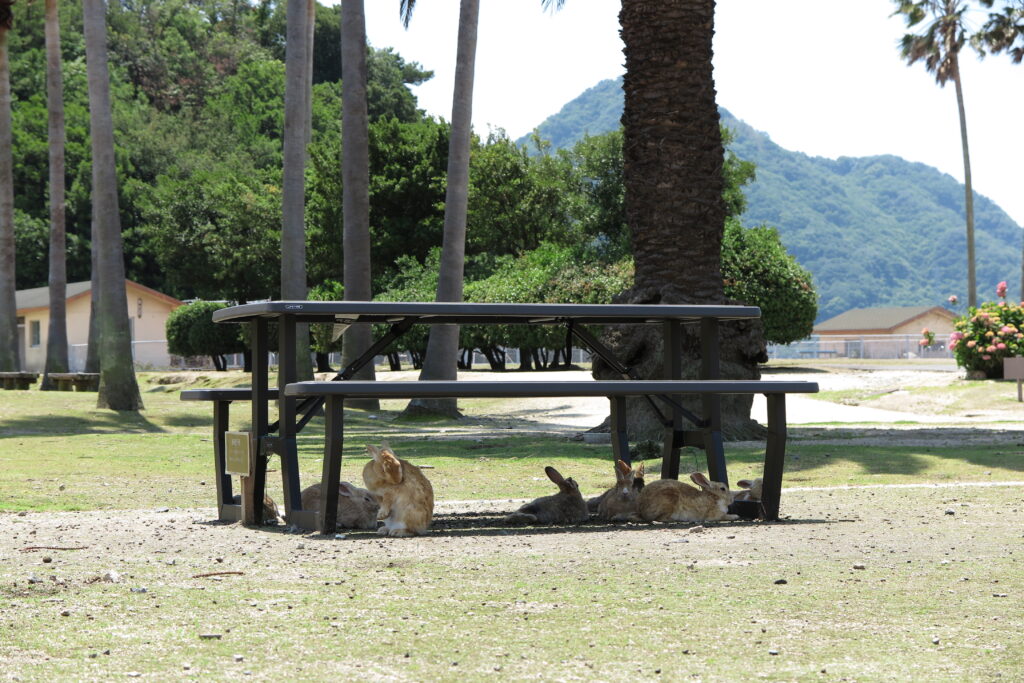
[(357, 508), (751, 489), (565, 507), (406, 497), (619, 503), (668, 500)]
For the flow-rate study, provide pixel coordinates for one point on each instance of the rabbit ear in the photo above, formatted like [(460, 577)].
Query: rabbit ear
[(621, 468), (346, 489), (700, 480), (640, 470), (373, 451), (744, 483), (392, 468), (554, 476)]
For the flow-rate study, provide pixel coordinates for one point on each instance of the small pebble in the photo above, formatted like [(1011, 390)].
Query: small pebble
[(935, 640), (65, 613), (23, 513), (139, 590), (950, 511), (239, 658), (773, 652), (781, 582), (47, 560), (859, 566)]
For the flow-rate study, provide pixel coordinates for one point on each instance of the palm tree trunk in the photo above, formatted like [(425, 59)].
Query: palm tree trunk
[(293, 198), (673, 157), (972, 281), (57, 335), (92, 349), (355, 171), (443, 345), (118, 388), (9, 361)]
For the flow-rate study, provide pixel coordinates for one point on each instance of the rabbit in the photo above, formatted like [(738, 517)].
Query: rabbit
[(751, 489), (405, 495), (668, 500), (593, 504), (619, 503), (271, 515), (565, 507), (357, 508)]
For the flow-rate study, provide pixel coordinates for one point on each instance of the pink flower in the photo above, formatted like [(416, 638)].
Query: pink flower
[(923, 342), (1020, 335), (971, 344), (991, 348), (956, 336), (952, 299), (986, 357), (1001, 290), (1001, 346)]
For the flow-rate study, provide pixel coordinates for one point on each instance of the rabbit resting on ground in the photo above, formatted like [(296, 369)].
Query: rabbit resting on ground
[(668, 500), (565, 507), (271, 515), (751, 489), (405, 496), (357, 508), (619, 503)]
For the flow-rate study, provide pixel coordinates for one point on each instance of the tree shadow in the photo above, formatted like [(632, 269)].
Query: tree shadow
[(107, 422)]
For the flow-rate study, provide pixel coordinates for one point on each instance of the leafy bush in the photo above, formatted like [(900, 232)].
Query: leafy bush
[(758, 271), (984, 336), (192, 332)]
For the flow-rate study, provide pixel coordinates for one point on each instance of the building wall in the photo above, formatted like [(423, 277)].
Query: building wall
[(941, 325), (147, 314)]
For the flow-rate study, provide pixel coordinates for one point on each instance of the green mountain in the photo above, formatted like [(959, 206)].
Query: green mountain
[(874, 231)]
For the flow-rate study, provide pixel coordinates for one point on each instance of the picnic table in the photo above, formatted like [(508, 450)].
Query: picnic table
[(267, 439)]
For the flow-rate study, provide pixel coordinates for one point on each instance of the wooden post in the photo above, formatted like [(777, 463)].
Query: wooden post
[(331, 475), (254, 486), (620, 436), (1013, 368), (672, 350), (774, 456), (710, 368)]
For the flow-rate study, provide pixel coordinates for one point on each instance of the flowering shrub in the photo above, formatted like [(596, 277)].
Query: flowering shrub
[(988, 334), (927, 338)]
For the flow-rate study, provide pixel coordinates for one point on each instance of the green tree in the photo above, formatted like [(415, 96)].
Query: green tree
[(443, 347), (118, 388), (9, 360), (57, 334), (938, 46), (1003, 30), (192, 332), (355, 167)]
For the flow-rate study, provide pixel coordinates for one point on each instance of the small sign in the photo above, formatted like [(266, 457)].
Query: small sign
[(1013, 368), (236, 453)]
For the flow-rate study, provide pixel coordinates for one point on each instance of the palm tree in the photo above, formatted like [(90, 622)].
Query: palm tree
[(443, 344), (293, 195), (118, 388), (9, 361), (939, 47), (355, 172), (57, 336), (1003, 30)]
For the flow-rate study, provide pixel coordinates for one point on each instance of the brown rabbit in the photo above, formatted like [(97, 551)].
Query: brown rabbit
[(565, 507), (619, 503), (668, 500), (271, 515), (357, 508), (594, 503), (405, 495)]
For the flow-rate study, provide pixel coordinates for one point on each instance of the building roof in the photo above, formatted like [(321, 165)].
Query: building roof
[(39, 297), (883, 319)]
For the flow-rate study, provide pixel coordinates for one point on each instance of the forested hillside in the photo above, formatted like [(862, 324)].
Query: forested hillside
[(872, 230)]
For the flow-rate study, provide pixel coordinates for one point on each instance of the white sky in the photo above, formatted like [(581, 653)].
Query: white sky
[(823, 77)]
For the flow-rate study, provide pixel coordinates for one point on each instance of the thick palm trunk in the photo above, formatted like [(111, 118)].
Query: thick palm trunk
[(673, 157), (293, 198), (57, 335), (972, 280), (9, 361), (355, 171), (118, 388), (441, 359)]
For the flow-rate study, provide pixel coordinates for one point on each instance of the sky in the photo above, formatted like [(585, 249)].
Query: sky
[(823, 77)]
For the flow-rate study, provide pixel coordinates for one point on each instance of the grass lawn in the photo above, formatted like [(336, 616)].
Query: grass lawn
[(858, 583)]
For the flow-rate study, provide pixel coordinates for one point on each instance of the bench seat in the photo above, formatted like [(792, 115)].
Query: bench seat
[(18, 380), (76, 381), (542, 389)]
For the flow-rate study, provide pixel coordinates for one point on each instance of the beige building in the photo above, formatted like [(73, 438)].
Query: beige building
[(147, 316), (887, 332)]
